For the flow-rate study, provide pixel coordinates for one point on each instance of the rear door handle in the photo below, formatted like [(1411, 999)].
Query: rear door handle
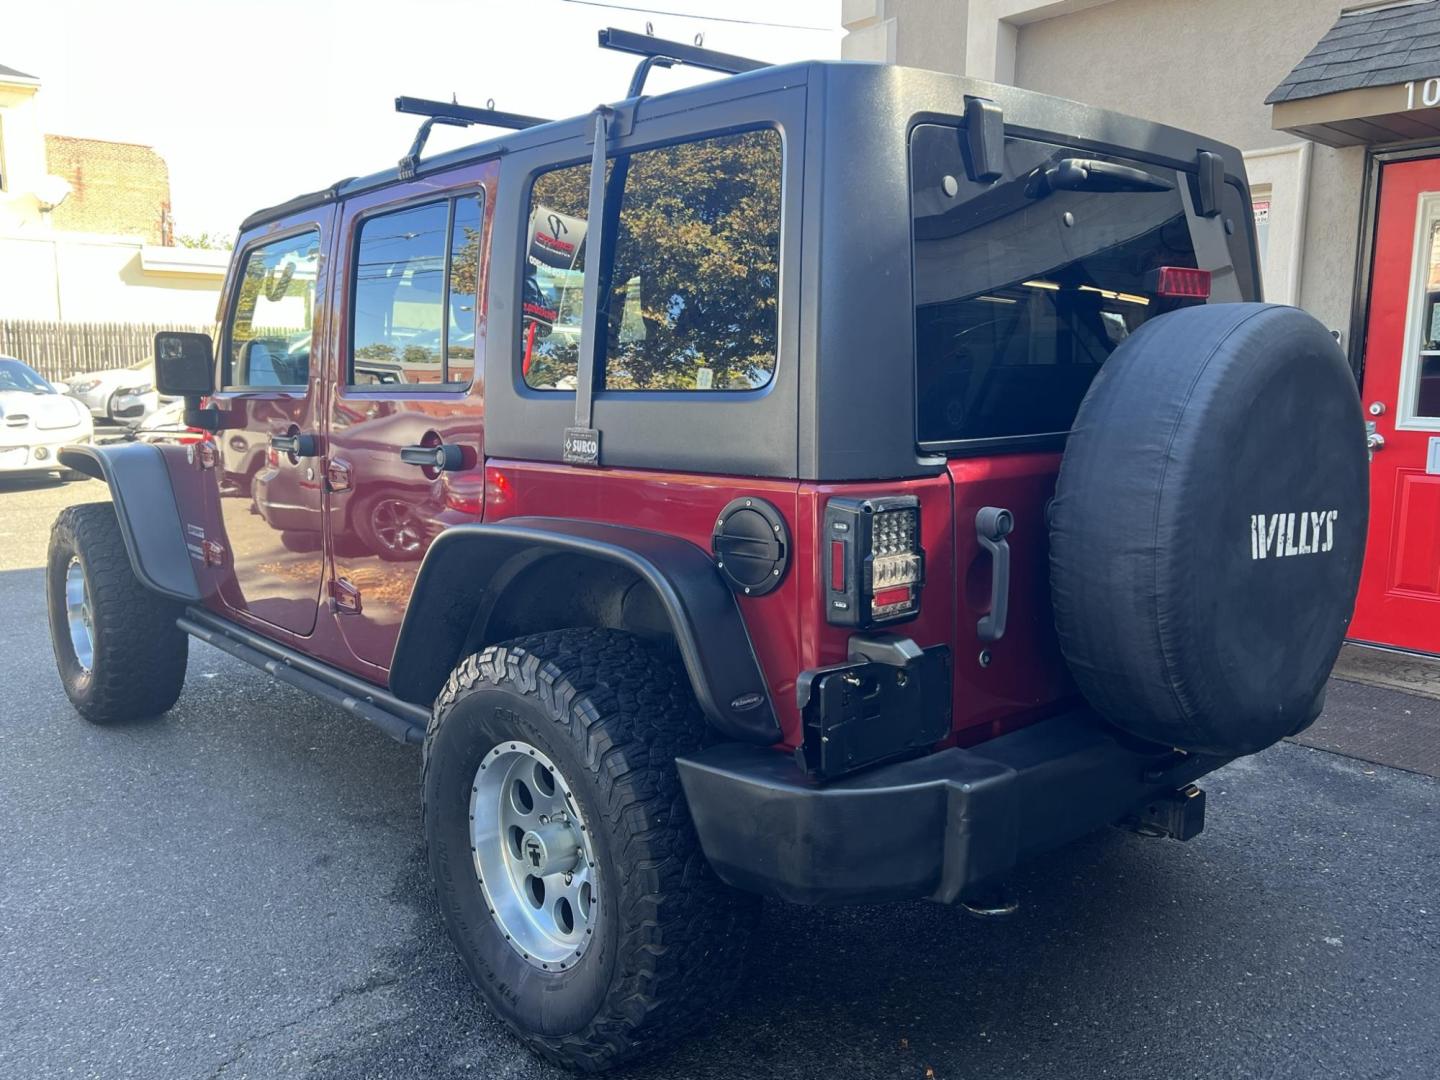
[(300, 446), (447, 457), (992, 526)]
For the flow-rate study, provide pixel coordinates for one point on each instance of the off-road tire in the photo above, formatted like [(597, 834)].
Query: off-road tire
[(612, 714), (139, 660)]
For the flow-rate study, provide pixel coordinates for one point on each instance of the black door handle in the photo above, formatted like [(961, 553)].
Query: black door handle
[(296, 445), (446, 457), (992, 526)]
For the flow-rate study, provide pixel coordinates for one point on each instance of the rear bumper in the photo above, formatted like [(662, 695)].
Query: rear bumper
[(934, 826)]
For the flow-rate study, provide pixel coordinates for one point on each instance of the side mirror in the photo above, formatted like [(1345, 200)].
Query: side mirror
[(184, 364)]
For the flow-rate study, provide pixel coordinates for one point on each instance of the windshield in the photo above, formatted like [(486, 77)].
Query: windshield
[(1025, 285), (17, 376)]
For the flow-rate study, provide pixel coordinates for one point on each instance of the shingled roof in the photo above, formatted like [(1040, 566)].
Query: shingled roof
[(1379, 47), (11, 73)]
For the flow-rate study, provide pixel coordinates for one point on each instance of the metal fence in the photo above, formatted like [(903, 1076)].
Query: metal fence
[(60, 349)]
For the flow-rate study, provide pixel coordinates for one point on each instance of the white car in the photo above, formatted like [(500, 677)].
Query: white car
[(36, 421), (166, 425), (120, 395)]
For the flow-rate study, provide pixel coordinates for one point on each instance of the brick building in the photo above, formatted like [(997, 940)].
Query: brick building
[(85, 227), (115, 188)]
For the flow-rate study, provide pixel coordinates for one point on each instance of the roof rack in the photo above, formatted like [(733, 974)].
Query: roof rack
[(656, 52), (456, 115), (659, 52)]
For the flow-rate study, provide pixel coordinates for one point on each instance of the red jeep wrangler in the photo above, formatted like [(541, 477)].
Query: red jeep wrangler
[(834, 482)]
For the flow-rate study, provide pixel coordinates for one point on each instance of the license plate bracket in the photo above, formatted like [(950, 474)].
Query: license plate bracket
[(865, 712)]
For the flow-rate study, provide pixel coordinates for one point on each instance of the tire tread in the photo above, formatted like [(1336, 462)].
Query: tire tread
[(683, 932), (140, 654)]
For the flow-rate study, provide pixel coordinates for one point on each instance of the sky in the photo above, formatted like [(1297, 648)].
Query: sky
[(253, 102)]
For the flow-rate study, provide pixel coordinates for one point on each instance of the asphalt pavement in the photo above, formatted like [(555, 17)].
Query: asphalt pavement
[(237, 890)]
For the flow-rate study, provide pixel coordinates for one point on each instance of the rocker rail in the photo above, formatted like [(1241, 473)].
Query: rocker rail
[(401, 720)]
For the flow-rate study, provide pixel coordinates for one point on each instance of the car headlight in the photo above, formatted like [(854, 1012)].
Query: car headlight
[(143, 388), (85, 386)]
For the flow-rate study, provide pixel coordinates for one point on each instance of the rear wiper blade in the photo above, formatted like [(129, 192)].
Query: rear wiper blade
[(1086, 174)]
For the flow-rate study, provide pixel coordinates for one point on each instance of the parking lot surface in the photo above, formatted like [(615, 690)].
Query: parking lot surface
[(237, 889)]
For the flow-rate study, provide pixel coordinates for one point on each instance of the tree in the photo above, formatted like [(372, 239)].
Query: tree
[(206, 241), (695, 279)]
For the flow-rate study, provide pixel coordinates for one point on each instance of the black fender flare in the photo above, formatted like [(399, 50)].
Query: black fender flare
[(144, 502), (467, 564)]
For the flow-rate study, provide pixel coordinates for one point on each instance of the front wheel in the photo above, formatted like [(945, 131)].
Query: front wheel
[(561, 848), (119, 652)]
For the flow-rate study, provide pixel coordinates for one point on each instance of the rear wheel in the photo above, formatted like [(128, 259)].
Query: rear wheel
[(118, 650), (562, 852)]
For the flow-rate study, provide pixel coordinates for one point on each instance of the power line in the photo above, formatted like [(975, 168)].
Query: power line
[(704, 18)]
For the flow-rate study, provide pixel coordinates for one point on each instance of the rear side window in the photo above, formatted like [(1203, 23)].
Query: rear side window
[(691, 289), (270, 332), (416, 283), (1023, 289)]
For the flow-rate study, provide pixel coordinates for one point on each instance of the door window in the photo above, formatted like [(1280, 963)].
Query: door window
[(690, 291), (1426, 391), (416, 285), (270, 332)]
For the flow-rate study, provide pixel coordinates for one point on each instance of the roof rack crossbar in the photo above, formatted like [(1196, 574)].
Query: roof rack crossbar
[(457, 115), (468, 114), (659, 52)]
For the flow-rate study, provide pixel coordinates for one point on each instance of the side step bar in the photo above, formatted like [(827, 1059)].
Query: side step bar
[(401, 720)]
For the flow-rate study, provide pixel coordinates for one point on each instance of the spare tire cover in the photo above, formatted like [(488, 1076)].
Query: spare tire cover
[(1209, 525)]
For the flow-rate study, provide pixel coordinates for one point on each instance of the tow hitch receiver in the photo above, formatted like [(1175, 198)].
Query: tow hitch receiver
[(1179, 815)]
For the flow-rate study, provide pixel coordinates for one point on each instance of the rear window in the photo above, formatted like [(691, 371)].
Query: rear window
[(1023, 287)]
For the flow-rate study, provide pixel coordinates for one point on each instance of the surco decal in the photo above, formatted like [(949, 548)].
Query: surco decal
[(1307, 532)]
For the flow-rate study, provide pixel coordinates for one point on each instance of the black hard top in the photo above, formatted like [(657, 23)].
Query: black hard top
[(1059, 116), (842, 404)]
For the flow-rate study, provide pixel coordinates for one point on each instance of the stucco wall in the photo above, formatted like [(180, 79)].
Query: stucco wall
[(1208, 66), (78, 278), (914, 33)]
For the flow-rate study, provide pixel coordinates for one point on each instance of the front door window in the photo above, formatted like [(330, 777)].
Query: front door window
[(270, 337)]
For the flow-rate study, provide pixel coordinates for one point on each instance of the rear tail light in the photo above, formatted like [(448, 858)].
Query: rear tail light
[(1181, 283), (876, 566)]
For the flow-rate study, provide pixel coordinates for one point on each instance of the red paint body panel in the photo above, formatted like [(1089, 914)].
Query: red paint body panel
[(383, 520), (1026, 678), (1399, 599), (683, 505)]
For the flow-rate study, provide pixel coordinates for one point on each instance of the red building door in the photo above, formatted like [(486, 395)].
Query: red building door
[(1399, 602)]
